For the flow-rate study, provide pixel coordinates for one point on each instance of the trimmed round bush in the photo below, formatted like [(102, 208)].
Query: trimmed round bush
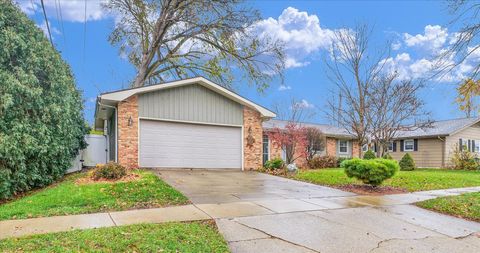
[(41, 120), (369, 155), (372, 172), (109, 171), (274, 164), (387, 156), (407, 163)]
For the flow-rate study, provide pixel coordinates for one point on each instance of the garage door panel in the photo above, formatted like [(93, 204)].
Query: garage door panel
[(182, 145)]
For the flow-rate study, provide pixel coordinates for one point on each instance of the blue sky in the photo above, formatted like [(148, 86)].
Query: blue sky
[(416, 28)]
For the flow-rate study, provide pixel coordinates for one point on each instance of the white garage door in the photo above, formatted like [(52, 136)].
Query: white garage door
[(181, 145)]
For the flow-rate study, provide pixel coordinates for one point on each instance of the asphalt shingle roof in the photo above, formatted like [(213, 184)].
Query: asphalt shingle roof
[(439, 128), (328, 130)]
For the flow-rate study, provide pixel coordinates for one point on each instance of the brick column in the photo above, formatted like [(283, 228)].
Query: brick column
[(128, 134), (355, 149), (252, 139), (331, 147)]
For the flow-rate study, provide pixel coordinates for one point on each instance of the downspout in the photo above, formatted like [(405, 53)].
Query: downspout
[(443, 150), (116, 127)]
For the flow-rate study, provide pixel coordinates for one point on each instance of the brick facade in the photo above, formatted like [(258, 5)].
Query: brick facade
[(128, 134), (355, 149), (331, 146), (252, 139)]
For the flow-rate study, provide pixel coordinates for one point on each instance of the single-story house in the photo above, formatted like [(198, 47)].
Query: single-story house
[(191, 123), (434, 146), (338, 141)]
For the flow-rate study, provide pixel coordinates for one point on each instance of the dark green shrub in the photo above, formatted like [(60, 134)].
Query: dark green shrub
[(109, 171), (321, 162), (41, 120), (274, 164), (340, 160), (369, 155), (407, 163), (372, 172), (387, 156)]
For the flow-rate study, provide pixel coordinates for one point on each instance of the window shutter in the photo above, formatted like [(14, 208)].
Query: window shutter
[(394, 146), (375, 147), (469, 147), (415, 144), (460, 144), (473, 146), (401, 146)]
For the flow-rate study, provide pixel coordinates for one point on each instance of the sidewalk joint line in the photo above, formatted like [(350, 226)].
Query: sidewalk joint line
[(114, 223)]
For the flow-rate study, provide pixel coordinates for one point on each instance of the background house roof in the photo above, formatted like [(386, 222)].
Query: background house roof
[(439, 128), (328, 130)]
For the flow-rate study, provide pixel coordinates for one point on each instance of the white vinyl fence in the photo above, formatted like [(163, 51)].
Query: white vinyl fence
[(95, 153)]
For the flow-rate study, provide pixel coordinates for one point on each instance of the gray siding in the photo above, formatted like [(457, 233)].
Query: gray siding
[(193, 103), (111, 137)]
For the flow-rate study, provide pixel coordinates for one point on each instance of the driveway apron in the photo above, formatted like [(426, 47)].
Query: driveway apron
[(257, 212)]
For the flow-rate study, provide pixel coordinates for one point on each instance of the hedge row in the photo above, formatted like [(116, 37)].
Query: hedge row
[(41, 119)]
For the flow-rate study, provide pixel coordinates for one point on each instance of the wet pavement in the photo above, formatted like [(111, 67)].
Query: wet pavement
[(262, 213)]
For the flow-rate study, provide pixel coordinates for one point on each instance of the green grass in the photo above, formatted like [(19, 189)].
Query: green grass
[(68, 197), (465, 206), (166, 237), (417, 180)]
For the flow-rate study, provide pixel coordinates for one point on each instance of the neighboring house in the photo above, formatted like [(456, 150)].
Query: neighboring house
[(433, 147), (191, 123), (339, 142)]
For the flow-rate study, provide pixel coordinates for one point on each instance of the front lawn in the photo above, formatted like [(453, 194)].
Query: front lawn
[(72, 197), (465, 206), (166, 237), (417, 180)]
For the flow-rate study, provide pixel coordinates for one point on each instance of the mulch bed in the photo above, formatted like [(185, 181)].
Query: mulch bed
[(371, 190), (89, 180)]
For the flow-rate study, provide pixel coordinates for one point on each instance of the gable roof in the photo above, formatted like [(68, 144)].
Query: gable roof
[(439, 128), (328, 130), (114, 97)]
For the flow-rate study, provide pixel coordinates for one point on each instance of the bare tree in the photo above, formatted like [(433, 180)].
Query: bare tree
[(293, 110), (394, 107), (171, 39), (466, 43), (352, 67)]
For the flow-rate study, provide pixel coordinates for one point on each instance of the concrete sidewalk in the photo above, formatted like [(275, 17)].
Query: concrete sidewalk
[(255, 208)]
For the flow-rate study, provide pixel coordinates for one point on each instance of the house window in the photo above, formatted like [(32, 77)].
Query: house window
[(343, 146), (265, 149), (477, 146), (390, 146), (408, 145)]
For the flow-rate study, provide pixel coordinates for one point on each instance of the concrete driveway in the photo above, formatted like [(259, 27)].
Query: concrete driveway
[(261, 213)]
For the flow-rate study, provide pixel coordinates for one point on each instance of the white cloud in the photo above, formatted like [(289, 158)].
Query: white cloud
[(426, 49), (53, 30), (284, 87), (396, 45), (71, 10), (304, 104), (300, 32), (434, 38), (292, 63)]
